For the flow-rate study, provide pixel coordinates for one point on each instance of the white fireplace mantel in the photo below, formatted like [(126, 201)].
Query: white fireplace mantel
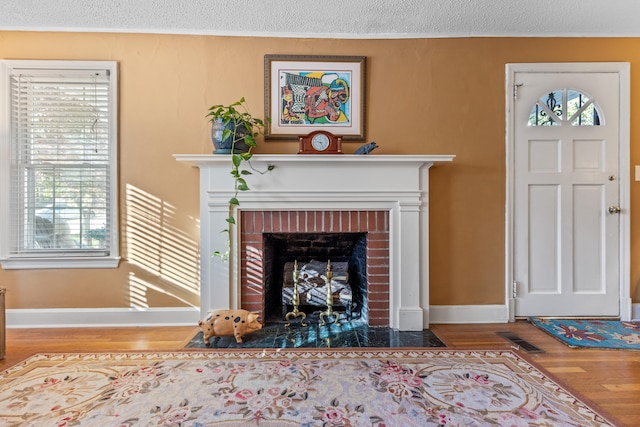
[(395, 183)]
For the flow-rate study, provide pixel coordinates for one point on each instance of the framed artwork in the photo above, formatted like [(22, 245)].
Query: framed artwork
[(308, 93)]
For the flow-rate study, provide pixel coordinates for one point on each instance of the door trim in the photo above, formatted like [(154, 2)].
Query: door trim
[(623, 70)]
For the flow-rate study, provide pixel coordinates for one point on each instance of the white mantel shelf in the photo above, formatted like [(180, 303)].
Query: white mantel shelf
[(203, 159), (398, 184)]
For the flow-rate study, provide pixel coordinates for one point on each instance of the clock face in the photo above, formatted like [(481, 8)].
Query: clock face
[(320, 142)]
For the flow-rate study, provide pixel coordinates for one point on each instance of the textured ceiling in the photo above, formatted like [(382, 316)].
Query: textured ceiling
[(330, 18)]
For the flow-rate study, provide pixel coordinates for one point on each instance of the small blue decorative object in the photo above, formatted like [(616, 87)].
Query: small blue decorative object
[(366, 148)]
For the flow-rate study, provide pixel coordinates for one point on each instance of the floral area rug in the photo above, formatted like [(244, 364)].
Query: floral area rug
[(376, 388), (610, 334)]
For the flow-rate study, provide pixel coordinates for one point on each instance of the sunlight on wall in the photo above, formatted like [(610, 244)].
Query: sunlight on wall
[(138, 289), (167, 259), (137, 292), (255, 272)]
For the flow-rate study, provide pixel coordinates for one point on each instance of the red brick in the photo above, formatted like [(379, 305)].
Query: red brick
[(377, 283), (378, 305), (307, 222), (275, 222), (251, 237), (378, 255), (379, 321), (379, 297), (245, 221), (251, 306), (377, 287), (377, 244), (254, 243), (379, 314), (266, 222), (252, 294), (345, 226), (294, 222), (285, 223), (318, 221), (371, 221), (253, 280), (335, 222), (378, 270), (258, 221), (362, 221), (383, 221), (378, 236)]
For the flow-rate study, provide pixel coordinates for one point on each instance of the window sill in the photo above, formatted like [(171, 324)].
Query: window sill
[(57, 263)]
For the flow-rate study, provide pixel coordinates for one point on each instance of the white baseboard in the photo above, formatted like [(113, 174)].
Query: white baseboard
[(101, 317), (485, 313), (111, 317), (468, 314)]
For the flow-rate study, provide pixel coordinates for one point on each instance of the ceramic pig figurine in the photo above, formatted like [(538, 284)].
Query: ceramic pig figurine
[(222, 323)]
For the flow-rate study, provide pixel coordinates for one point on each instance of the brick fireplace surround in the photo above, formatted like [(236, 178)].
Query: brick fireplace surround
[(375, 223), (339, 192)]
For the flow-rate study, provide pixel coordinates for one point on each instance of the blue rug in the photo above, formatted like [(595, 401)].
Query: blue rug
[(612, 334)]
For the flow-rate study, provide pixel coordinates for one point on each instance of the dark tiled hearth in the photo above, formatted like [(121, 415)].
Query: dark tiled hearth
[(351, 334)]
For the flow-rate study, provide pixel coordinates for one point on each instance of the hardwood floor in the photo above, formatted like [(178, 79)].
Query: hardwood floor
[(608, 378)]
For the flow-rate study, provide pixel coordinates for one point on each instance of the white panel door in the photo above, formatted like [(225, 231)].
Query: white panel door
[(566, 194)]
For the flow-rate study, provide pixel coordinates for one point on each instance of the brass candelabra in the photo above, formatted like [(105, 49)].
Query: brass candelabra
[(295, 300), (329, 311)]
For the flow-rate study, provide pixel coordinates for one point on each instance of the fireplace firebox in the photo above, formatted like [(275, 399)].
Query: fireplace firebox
[(281, 250)]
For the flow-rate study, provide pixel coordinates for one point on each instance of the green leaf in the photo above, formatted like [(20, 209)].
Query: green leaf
[(231, 220), (236, 159), (234, 201), (226, 134), (245, 172), (250, 141), (246, 156), (243, 187)]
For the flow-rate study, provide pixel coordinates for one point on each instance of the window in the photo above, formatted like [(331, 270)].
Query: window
[(565, 106), (58, 187)]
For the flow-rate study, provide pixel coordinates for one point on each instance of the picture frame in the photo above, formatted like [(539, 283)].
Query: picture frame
[(305, 93)]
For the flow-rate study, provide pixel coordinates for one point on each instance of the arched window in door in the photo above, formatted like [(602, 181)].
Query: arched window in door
[(564, 107)]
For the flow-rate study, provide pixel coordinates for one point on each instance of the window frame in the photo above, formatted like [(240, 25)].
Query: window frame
[(60, 259)]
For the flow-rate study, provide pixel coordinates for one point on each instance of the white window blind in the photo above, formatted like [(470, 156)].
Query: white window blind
[(62, 161)]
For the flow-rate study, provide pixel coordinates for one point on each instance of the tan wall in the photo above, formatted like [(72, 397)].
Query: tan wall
[(426, 96)]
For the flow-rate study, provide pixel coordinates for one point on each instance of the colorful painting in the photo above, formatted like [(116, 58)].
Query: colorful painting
[(308, 93)]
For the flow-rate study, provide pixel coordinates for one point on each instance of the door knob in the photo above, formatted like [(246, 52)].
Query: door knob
[(614, 209)]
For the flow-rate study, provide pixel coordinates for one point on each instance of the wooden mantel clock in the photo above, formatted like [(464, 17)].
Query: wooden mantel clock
[(320, 142)]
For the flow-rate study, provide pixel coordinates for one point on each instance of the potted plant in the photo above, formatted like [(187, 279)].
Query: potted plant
[(233, 128), (235, 131)]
